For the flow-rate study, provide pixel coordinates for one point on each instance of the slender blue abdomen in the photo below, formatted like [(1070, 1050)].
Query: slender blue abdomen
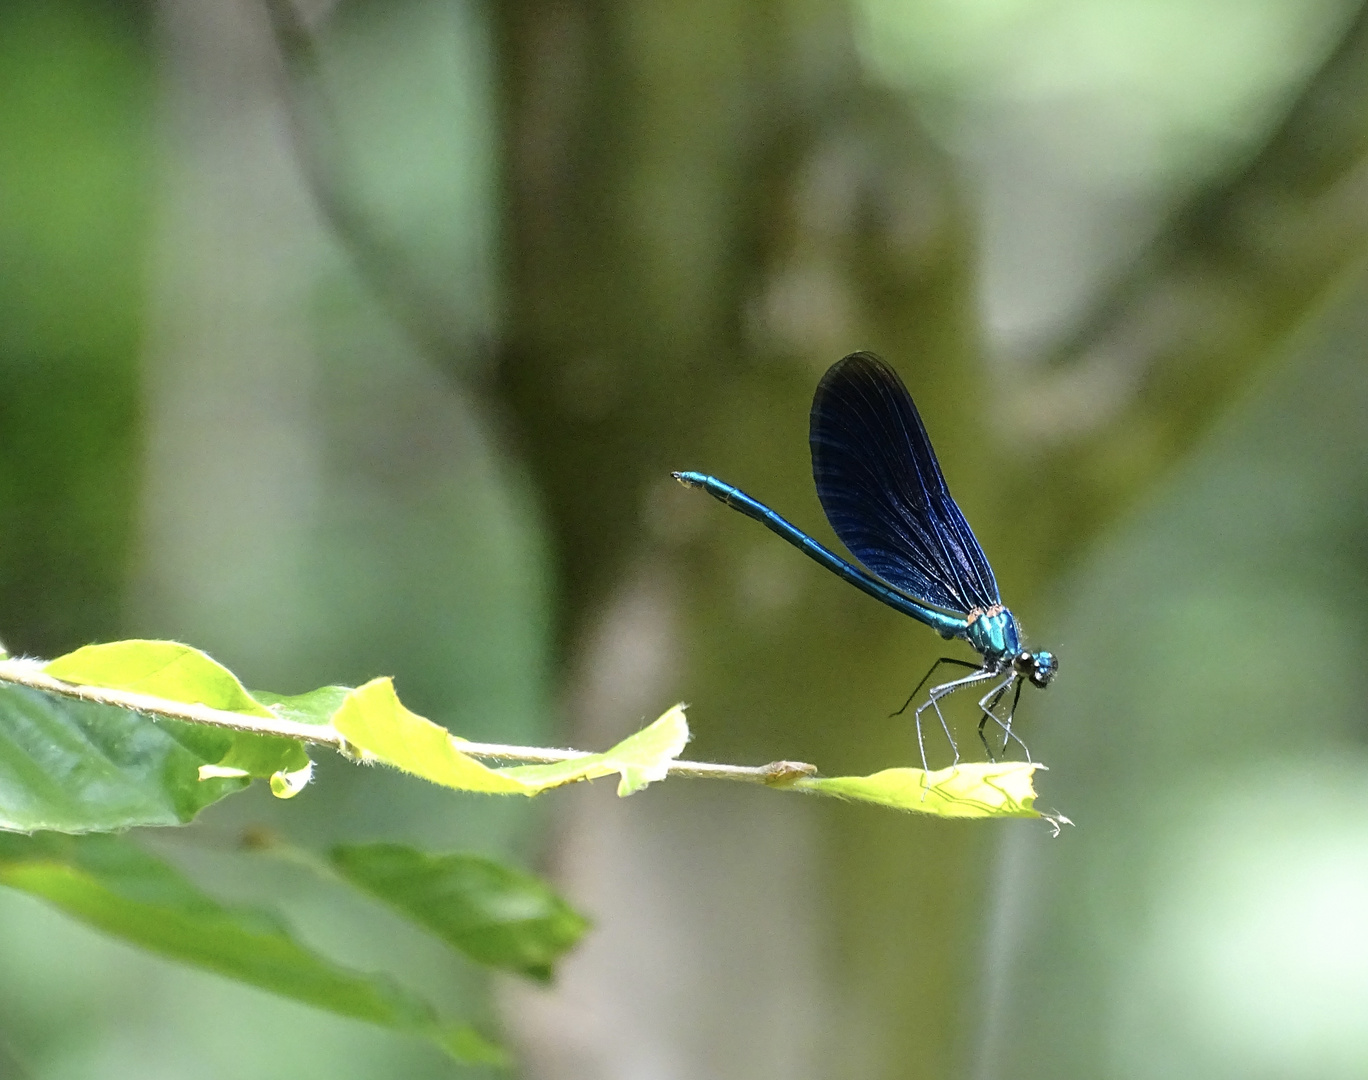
[(946, 625)]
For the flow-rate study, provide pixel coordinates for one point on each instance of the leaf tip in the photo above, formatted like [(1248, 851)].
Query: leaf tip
[(286, 784)]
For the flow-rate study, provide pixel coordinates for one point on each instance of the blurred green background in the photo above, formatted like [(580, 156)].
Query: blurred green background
[(363, 342)]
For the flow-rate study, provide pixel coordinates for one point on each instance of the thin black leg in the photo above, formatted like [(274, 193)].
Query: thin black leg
[(983, 720), (927, 677), (1012, 716), (1008, 735)]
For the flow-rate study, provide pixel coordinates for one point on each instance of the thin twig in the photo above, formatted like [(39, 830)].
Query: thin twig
[(29, 673)]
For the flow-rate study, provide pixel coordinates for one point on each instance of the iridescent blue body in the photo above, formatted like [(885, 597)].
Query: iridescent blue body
[(948, 626), (993, 632), (883, 493)]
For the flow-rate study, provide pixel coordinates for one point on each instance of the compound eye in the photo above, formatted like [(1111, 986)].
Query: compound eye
[(1043, 669)]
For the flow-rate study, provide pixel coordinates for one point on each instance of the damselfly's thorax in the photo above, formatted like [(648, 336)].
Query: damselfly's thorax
[(994, 633)]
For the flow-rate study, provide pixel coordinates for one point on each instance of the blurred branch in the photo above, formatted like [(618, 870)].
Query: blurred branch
[(1173, 341), (401, 290), (1239, 265)]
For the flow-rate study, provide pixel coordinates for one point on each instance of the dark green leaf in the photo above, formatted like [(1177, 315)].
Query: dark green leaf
[(111, 884), (73, 766), (493, 914)]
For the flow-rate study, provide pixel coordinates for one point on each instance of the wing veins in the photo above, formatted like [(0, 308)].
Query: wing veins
[(866, 438)]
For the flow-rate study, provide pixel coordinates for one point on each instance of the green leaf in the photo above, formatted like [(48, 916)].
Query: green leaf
[(180, 673), (108, 883), (640, 759), (284, 760), (495, 915), (977, 789), (74, 766), (263, 755), (165, 669), (316, 707)]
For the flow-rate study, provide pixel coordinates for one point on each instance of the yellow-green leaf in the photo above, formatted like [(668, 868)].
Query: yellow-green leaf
[(977, 789), (287, 783), (164, 669), (639, 759), (374, 720)]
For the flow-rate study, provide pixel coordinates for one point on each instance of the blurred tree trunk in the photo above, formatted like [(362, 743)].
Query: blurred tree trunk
[(76, 101), (706, 205)]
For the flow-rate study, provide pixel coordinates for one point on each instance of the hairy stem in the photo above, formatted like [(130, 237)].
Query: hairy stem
[(30, 673)]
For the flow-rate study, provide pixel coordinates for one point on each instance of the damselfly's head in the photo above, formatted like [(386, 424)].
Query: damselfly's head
[(1039, 667)]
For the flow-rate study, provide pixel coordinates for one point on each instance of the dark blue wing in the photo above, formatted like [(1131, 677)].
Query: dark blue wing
[(883, 492)]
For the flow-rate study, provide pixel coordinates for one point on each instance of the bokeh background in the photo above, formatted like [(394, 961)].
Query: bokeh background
[(361, 337)]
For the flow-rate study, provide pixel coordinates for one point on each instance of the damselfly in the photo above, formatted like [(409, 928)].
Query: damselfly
[(882, 489)]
